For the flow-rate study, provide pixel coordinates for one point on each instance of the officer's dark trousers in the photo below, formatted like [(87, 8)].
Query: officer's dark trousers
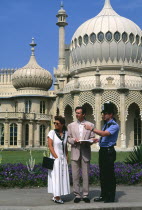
[(107, 156)]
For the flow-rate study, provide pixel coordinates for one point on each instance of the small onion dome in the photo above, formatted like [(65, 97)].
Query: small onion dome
[(32, 76), (109, 38), (61, 10)]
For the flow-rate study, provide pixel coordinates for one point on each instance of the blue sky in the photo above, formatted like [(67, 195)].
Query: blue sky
[(20, 20)]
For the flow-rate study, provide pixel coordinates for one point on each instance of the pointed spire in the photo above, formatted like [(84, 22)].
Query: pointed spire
[(107, 10), (33, 44), (107, 4), (62, 5)]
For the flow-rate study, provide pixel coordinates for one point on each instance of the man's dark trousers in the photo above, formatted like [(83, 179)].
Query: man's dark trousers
[(107, 156)]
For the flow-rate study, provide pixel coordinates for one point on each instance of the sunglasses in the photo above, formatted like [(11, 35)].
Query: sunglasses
[(55, 123)]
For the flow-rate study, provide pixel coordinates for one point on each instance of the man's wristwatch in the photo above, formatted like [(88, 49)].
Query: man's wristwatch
[(92, 129)]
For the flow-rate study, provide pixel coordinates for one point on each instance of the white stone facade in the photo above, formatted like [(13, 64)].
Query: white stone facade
[(102, 63)]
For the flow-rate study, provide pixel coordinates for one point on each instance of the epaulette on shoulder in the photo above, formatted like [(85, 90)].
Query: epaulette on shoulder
[(112, 123)]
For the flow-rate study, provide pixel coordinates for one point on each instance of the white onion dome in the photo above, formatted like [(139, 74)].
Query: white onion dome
[(106, 40), (32, 76)]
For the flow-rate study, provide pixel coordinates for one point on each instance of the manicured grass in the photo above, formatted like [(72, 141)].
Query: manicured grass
[(120, 157), (23, 156), (20, 156)]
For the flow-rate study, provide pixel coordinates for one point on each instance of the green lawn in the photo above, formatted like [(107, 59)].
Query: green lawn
[(23, 156)]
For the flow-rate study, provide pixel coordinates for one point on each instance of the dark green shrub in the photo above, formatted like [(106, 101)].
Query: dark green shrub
[(135, 156)]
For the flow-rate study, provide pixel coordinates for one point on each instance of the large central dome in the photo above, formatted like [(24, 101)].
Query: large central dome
[(107, 40)]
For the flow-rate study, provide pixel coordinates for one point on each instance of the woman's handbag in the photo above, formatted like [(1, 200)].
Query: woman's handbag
[(48, 163)]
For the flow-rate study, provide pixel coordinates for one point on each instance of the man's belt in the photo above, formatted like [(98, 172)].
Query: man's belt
[(106, 148)]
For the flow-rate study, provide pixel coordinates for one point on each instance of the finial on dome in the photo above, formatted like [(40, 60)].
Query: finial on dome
[(107, 10), (107, 4), (62, 5), (33, 44)]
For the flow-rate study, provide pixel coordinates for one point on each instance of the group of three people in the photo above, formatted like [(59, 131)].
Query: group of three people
[(81, 135)]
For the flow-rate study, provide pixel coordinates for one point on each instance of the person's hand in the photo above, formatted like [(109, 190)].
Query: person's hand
[(95, 140), (76, 140), (88, 127)]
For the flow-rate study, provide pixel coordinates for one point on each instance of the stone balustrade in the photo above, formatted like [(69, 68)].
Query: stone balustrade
[(24, 116)]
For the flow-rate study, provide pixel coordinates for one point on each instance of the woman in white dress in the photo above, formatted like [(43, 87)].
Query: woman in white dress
[(58, 178)]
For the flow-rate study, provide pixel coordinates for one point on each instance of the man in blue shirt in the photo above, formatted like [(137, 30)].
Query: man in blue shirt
[(107, 153)]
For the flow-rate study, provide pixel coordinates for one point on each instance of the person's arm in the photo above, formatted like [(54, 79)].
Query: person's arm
[(51, 148), (101, 133), (92, 135), (98, 132)]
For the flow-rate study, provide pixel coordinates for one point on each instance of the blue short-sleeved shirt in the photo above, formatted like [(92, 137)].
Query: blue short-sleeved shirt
[(113, 129)]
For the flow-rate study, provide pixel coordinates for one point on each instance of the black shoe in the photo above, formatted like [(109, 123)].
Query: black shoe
[(77, 200), (86, 200), (98, 199)]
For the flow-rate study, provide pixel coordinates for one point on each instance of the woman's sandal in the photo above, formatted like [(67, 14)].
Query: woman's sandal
[(57, 201)]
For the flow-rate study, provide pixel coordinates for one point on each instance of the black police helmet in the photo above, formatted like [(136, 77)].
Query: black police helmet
[(108, 108)]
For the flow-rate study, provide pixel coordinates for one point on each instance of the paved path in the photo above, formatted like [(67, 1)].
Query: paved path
[(127, 197)]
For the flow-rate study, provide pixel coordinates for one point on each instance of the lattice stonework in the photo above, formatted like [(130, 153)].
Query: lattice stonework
[(68, 100), (87, 97), (134, 97), (111, 95)]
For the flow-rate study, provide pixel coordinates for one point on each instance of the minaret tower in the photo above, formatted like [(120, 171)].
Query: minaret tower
[(61, 23)]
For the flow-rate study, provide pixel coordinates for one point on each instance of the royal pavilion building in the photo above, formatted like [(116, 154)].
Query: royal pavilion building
[(102, 63)]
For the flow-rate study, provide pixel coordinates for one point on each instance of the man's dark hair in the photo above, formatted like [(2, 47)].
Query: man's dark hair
[(82, 108)]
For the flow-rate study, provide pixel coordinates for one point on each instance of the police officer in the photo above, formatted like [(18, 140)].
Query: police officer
[(107, 153)]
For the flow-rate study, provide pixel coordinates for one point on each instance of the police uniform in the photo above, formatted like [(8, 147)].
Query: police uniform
[(107, 156)]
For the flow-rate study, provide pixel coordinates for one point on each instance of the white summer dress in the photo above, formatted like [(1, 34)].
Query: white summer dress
[(58, 178)]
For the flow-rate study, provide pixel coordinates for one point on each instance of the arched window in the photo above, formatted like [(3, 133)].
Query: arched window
[(28, 105), (80, 40), (116, 36), (42, 135), (137, 39), (26, 135), (93, 38), (57, 112), (137, 129), (86, 39), (13, 134), (131, 38), (89, 112), (75, 42), (42, 107), (124, 37), (1, 134), (68, 114), (100, 36), (108, 36)]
